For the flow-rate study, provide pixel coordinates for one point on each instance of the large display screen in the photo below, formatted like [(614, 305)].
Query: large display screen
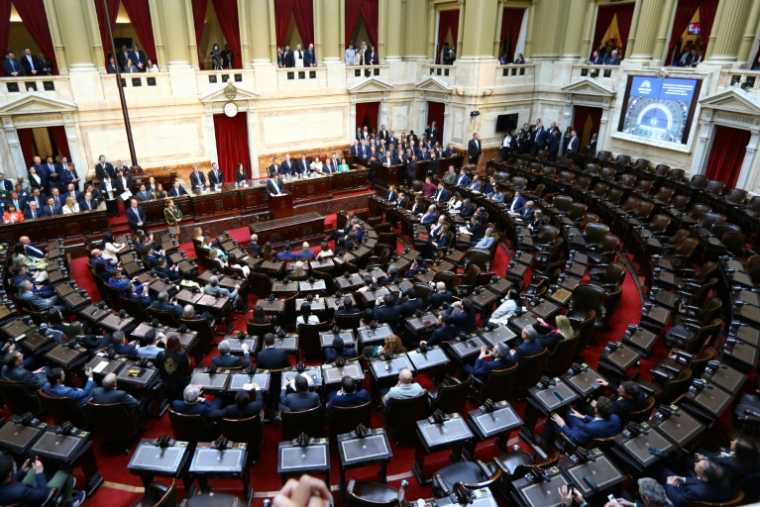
[(659, 108)]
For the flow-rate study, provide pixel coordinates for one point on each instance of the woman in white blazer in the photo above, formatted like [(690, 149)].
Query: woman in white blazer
[(316, 165), (298, 56)]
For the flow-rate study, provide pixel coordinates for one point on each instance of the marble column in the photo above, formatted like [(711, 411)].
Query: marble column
[(174, 34), (726, 35), (663, 30), (479, 29), (156, 18), (73, 21), (574, 32), (750, 30), (329, 13), (634, 28), (749, 160), (393, 31), (497, 33), (460, 32), (528, 50), (14, 147), (190, 27), (646, 30), (259, 14), (416, 25), (244, 34)]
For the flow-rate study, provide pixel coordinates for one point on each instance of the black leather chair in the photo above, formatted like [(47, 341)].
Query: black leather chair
[(402, 414), (499, 385), (311, 421), (114, 423), (64, 409), (373, 494), (19, 399), (470, 474), (450, 396), (158, 494), (249, 430), (346, 419), (190, 428), (308, 339)]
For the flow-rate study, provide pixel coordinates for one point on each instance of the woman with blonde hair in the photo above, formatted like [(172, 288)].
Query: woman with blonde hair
[(198, 234), (71, 206), (550, 336), (267, 252)]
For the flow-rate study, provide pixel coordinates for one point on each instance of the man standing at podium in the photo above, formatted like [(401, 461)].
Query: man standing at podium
[(275, 185)]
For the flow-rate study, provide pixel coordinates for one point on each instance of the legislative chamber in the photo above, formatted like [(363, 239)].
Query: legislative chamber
[(380, 253)]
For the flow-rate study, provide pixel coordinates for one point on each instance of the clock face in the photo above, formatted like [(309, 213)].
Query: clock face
[(230, 109)]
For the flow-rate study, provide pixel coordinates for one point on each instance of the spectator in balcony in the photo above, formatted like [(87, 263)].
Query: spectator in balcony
[(350, 54), (298, 55), (756, 66), (11, 66), (228, 57), (448, 55), (613, 58), (361, 54), (46, 66), (520, 60), (280, 57), (371, 57), (122, 56), (596, 59), (309, 58), (503, 59), (288, 58), (138, 58), (151, 67), (130, 68), (111, 66), (32, 66)]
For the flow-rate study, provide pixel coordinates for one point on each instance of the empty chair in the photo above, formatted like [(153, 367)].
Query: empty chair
[(249, 430), (593, 234), (698, 181), (471, 475), (575, 213), (311, 421), (113, 423), (529, 371), (663, 196), (586, 298), (680, 202), (661, 170), (309, 344), (627, 181), (498, 385), (19, 399), (561, 205), (190, 428), (63, 409), (451, 395), (715, 187), (736, 197), (346, 419)]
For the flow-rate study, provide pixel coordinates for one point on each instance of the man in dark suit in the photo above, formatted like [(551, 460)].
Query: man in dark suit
[(51, 210), (300, 399), (332, 164), (412, 303), (70, 176), (32, 65), (580, 429), (138, 58), (386, 311), (430, 217), (144, 194), (253, 246), (574, 145), (5, 185), (11, 66), (303, 165), (517, 204), (274, 169), (17, 202), (215, 176), (14, 371), (288, 167), (197, 180), (162, 303), (288, 57), (629, 398), (348, 396), (193, 404), (596, 59), (530, 346), (102, 168), (271, 357), (31, 212), (122, 55), (275, 185), (177, 190), (482, 367), (225, 360), (441, 195), (88, 203), (432, 133), (474, 149), (710, 485), (309, 58), (109, 394), (136, 216), (243, 408), (306, 252), (451, 324)]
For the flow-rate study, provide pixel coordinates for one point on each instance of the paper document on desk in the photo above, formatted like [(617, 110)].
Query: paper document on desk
[(100, 367)]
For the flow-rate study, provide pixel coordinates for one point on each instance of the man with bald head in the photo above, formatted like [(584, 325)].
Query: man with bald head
[(405, 387), (30, 249), (110, 394)]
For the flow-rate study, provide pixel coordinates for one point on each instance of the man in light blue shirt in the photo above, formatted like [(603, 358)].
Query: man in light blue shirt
[(405, 387), (487, 241), (54, 386), (151, 350), (213, 288)]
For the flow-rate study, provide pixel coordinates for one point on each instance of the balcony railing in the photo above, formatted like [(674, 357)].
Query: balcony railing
[(356, 73), (57, 86), (512, 74), (300, 78), (746, 79), (596, 71), (208, 80), (446, 73)]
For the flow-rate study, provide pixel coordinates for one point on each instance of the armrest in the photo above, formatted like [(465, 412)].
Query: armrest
[(452, 381), (485, 468), (446, 488)]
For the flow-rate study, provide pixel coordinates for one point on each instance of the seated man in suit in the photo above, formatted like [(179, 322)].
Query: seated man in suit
[(29, 486), (271, 357), (54, 386), (243, 408), (110, 394), (225, 360), (517, 204), (20, 274), (26, 292), (122, 347), (176, 190), (287, 254), (530, 346), (482, 367), (162, 303), (581, 429), (386, 311), (306, 253), (526, 215), (162, 267), (450, 324), (51, 210), (441, 195), (119, 282), (253, 247), (300, 398), (430, 217), (32, 212), (14, 371), (462, 180), (475, 184), (467, 210), (339, 349), (213, 288), (192, 403), (348, 396), (142, 297), (197, 180), (629, 398), (440, 296), (144, 194), (709, 485), (409, 302)]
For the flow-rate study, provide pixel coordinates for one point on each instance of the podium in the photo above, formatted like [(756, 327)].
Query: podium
[(281, 205)]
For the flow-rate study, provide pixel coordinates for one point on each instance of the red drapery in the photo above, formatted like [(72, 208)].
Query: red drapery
[(58, 134), (581, 115), (604, 18), (5, 25), (447, 20), (227, 14), (32, 13), (369, 11), (435, 112), (684, 12), (26, 139), (367, 114), (303, 12), (511, 22), (139, 15), (727, 155), (199, 16), (113, 11), (282, 12), (231, 143)]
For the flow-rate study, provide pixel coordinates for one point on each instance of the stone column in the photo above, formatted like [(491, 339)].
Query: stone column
[(259, 14), (190, 27), (329, 14), (634, 27), (447, 126), (479, 29), (174, 34), (749, 160), (72, 19), (588, 29), (497, 33), (319, 46), (663, 30), (14, 146), (646, 30), (158, 32), (352, 126), (244, 30), (273, 36), (252, 144), (460, 32), (431, 35), (528, 50), (726, 35), (394, 32), (748, 39), (574, 32), (603, 124), (416, 20), (342, 31)]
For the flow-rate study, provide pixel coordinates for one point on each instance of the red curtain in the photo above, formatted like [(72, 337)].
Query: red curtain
[(5, 26), (139, 14), (367, 114), (684, 12), (727, 155), (510, 31), (304, 15), (369, 11), (604, 18), (283, 9), (199, 16), (435, 112), (227, 14), (581, 115), (26, 139), (58, 134), (231, 143), (32, 13), (113, 11), (447, 20)]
